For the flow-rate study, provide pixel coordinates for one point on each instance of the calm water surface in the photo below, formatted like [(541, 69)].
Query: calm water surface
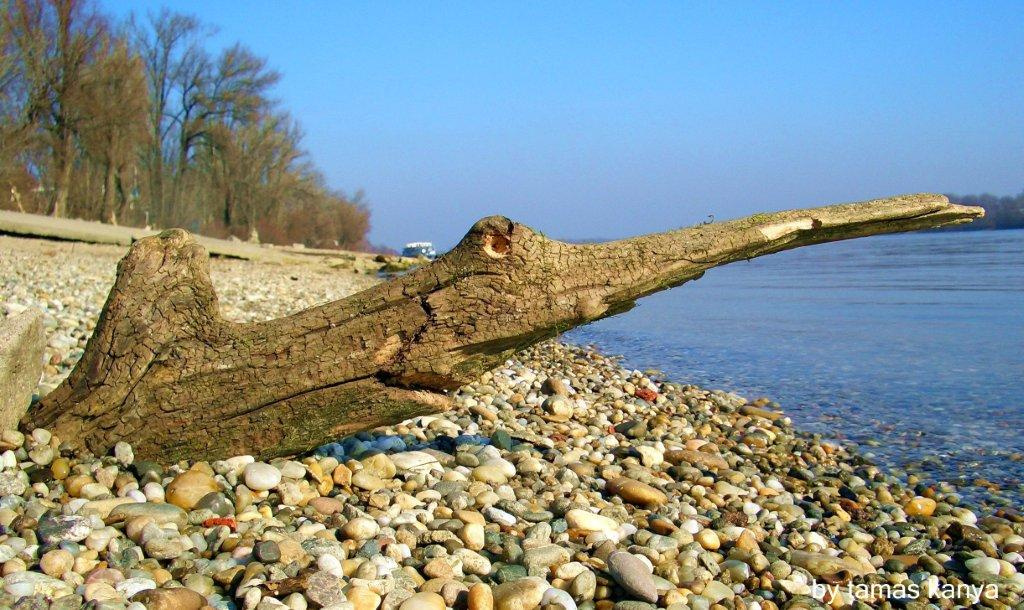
[(910, 345)]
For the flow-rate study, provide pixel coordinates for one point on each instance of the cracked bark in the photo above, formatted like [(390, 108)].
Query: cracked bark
[(165, 372)]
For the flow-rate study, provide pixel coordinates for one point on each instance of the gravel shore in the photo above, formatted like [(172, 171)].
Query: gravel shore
[(560, 480)]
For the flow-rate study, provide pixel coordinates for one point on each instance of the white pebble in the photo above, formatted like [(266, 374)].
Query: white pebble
[(20, 589), (499, 516), (329, 564), (252, 598), (557, 596), (291, 469), (238, 463), (75, 504), (260, 476), (154, 492), (131, 586), (385, 565), (984, 566), (123, 453), (816, 539), (401, 551)]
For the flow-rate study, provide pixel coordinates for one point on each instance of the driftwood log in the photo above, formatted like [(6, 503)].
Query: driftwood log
[(165, 372)]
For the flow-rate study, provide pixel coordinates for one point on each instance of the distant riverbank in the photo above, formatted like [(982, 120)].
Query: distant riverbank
[(1000, 212)]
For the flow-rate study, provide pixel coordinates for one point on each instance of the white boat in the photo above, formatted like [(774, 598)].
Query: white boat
[(416, 249)]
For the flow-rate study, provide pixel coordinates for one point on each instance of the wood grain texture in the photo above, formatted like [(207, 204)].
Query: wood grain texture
[(165, 372)]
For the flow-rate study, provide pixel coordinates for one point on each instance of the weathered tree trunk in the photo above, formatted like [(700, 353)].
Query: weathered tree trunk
[(110, 193), (164, 371), (62, 186)]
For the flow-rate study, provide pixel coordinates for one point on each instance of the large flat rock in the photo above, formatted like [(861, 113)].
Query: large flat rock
[(22, 341)]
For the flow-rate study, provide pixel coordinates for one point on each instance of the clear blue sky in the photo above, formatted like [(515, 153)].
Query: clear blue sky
[(612, 119)]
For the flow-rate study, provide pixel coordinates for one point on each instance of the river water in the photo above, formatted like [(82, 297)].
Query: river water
[(910, 345)]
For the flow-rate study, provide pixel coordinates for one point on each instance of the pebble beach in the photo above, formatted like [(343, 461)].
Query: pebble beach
[(560, 480)]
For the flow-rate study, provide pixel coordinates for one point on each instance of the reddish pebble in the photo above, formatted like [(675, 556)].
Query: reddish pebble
[(646, 394), (215, 521)]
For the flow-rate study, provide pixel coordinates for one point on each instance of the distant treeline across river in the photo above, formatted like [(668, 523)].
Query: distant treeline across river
[(1000, 212)]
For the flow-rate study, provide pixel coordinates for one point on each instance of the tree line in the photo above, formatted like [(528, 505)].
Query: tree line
[(1000, 212), (138, 123)]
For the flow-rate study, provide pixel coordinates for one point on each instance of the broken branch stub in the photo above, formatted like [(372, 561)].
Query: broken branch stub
[(164, 371)]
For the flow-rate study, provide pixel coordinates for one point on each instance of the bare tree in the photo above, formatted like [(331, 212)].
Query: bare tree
[(252, 169), (95, 119), (13, 132), (55, 40), (170, 45), (116, 105)]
